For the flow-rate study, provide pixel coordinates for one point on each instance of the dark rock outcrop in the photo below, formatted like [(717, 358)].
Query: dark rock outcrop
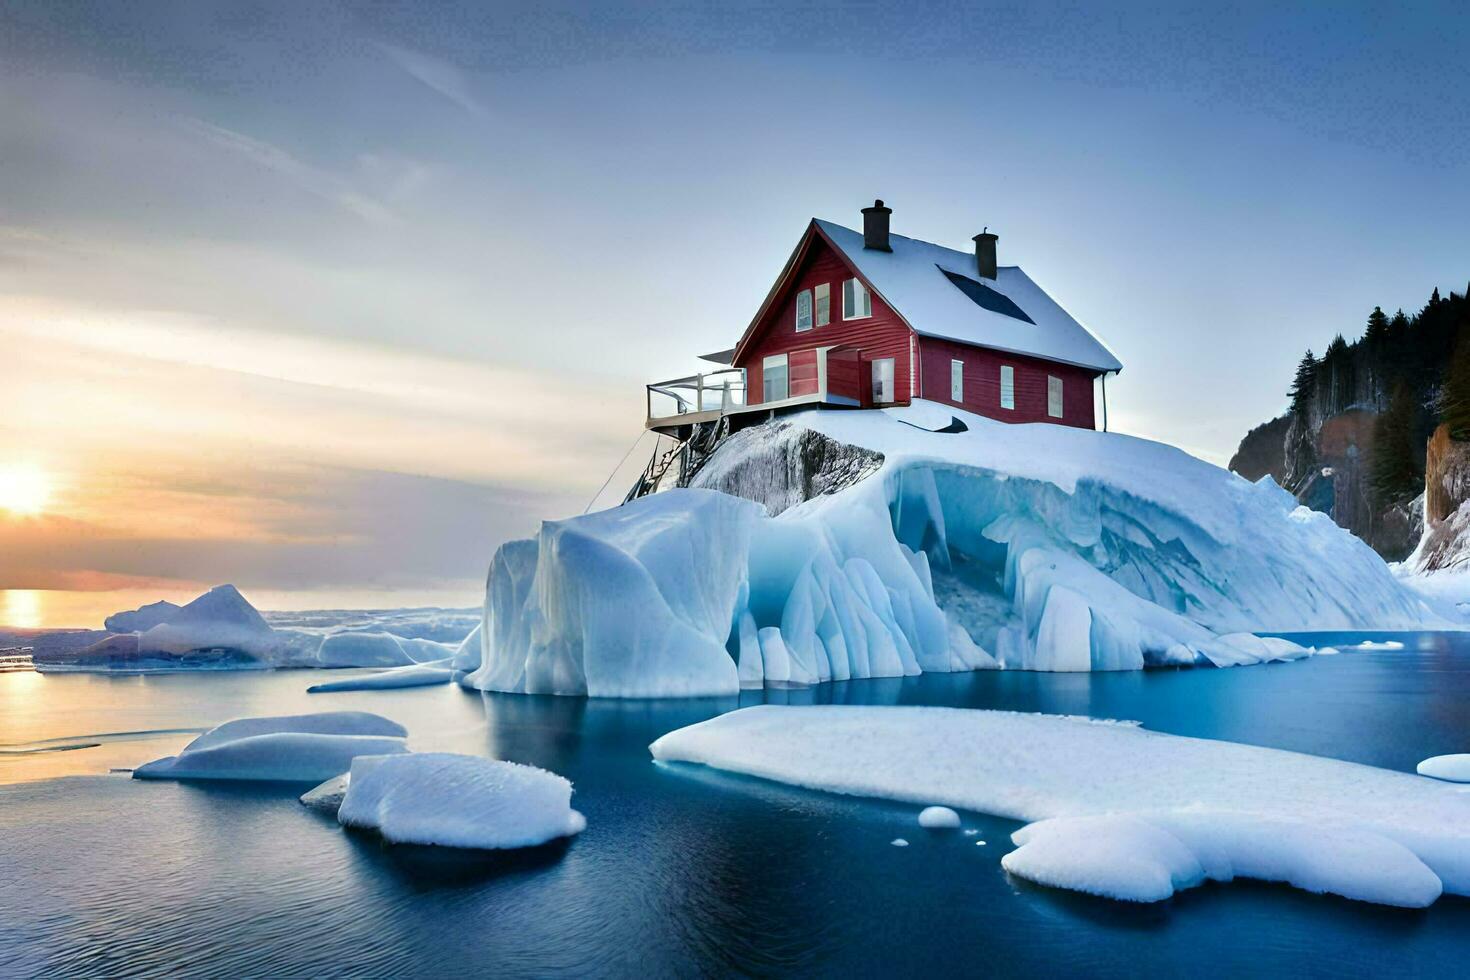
[(1263, 451)]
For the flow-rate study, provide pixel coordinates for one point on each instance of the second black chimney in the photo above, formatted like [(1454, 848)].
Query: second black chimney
[(985, 253), (875, 227)]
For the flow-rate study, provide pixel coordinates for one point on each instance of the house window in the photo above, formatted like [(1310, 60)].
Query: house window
[(803, 310), (773, 376), (824, 304), (856, 303), (883, 380), (957, 381), (1054, 397), (1007, 386)]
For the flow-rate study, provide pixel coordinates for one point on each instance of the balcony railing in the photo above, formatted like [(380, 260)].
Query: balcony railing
[(717, 391)]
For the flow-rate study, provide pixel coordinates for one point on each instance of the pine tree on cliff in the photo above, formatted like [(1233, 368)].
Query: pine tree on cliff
[(1304, 386), (1337, 365), (1395, 467), (1454, 399), (1374, 353)]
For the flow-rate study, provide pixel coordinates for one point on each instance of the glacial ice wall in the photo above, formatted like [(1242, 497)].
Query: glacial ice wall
[(1031, 547)]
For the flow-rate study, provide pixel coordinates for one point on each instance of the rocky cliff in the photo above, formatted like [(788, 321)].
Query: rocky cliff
[(1446, 540)]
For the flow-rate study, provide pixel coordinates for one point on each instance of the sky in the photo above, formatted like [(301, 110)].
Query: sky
[(342, 295)]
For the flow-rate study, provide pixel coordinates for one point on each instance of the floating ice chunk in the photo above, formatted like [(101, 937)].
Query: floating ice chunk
[(1166, 811), (899, 842), (289, 748), (327, 796), (354, 648), (1148, 857), (1454, 768), (1379, 645), (319, 723), (419, 675), (939, 818), (281, 756), (458, 801)]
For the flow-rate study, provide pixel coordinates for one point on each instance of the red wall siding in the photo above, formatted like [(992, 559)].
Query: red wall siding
[(883, 334), (982, 383), (801, 369)]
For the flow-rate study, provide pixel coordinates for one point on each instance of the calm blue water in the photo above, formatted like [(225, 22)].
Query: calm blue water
[(681, 870)]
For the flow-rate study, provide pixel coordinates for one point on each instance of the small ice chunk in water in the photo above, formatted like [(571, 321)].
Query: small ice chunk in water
[(458, 801), (971, 832), (899, 842), (327, 796), (938, 818), (1454, 768)]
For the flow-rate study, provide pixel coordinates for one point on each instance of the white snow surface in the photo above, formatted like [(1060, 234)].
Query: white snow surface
[(288, 748), (1117, 810), (458, 801), (417, 675), (353, 648), (1022, 546), (909, 278), (1453, 768)]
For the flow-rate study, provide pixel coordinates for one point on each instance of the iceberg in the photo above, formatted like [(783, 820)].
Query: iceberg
[(458, 801), (358, 648), (327, 796), (1114, 809), (926, 547), (287, 748), (938, 818)]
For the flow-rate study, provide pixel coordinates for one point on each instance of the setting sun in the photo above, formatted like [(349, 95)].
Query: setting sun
[(24, 490)]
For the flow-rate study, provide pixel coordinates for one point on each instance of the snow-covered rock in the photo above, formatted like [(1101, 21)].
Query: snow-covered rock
[(1118, 810), (1452, 768), (1022, 546), (288, 748), (938, 818), (417, 675), (458, 801)]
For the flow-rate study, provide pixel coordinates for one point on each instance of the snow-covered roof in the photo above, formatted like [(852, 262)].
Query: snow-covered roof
[(912, 279)]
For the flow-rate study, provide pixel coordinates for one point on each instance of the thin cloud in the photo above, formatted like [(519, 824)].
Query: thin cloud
[(444, 78), (313, 180)]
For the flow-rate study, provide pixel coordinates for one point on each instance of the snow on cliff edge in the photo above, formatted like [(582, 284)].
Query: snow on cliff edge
[(1026, 546)]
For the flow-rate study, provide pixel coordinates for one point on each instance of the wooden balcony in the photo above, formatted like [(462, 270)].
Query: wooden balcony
[(685, 402)]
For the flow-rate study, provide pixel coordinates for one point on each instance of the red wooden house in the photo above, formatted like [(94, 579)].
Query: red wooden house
[(864, 319)]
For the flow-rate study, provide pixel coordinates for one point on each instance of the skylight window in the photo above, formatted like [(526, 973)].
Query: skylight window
[(987, 298)]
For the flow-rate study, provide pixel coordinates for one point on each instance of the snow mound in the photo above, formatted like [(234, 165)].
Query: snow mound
[(1452, 768), (458, 801), (328, 796), (288, 748), (1117, 810), (938, 818), (418, 675)]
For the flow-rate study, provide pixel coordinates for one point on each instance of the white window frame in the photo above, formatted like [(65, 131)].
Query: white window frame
[(878, 390), (1053, 396), (822, 304), (854, 290), (805, 296), (775, 360), (1007, 387)]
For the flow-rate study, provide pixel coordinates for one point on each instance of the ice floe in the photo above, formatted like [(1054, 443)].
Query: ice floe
[(417, 675), (1117, 810), (458, 801), (1453, 768), (288, 748)]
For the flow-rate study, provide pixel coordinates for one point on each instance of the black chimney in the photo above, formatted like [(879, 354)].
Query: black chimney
[(875, 227), (985, 253)]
